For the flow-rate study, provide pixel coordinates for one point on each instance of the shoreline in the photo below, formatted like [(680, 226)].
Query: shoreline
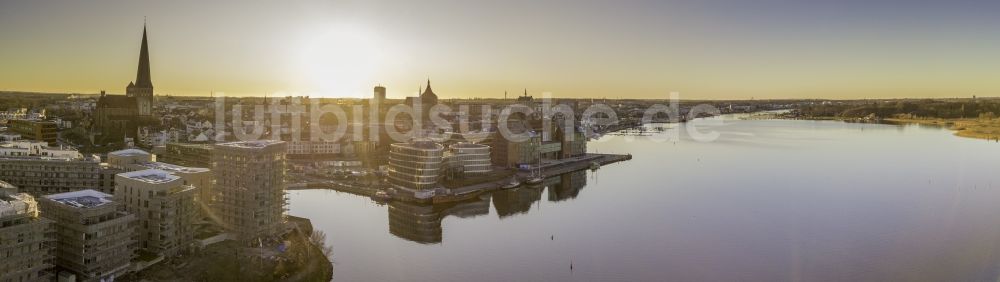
[(985, 129), (988, 129)]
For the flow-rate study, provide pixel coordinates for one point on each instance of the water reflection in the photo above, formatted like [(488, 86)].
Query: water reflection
[(422, 223), (836, 202), (567, 187)]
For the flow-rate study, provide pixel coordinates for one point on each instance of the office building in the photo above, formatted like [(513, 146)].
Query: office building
[(36, 130), (415, 165), (472, 159)]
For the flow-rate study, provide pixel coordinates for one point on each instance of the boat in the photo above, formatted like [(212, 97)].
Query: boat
[(536, 173), (595, 165), (535, 180), (382, 196), (513, 183)]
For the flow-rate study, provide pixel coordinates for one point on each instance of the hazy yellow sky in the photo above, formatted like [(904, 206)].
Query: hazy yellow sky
[(704, 49)]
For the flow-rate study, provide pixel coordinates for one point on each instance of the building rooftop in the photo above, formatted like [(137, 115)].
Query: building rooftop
[(5, 185), (129, 152), (173, 168), (468, 146), (17, 204), (251, 144), (421, 144), (191, 145), (152, 176), (81, 199), (37, 149)]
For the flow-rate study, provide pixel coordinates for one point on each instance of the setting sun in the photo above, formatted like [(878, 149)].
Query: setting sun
[(340, 61)]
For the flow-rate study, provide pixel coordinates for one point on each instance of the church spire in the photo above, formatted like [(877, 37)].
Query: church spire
[(142, 78), (428, 90)]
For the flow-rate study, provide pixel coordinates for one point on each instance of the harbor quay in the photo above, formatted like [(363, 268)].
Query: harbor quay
[(549, 168)]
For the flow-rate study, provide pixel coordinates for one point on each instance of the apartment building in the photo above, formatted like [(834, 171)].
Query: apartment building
[(95, 236), (164, 207), (37, 169), (26, 239)]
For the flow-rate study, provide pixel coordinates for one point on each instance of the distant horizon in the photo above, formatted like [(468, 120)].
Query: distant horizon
[(508, 98)]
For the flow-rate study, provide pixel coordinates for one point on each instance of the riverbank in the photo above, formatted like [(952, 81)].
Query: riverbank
[(979, 128), (988, 129), (300, 259)]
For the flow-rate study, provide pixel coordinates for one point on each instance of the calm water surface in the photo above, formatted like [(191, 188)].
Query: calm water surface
[(770, 200)]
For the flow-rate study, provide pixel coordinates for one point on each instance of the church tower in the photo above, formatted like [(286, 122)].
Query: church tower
[(142, 88)]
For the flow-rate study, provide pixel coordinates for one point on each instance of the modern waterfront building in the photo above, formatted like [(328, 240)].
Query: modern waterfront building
[(526, 151), (250, 195), (38, 170), (508, 153), (34, 129), (188, 154), (95, 236), (164, 206), (473, 159), (415, 165), (26, 239)]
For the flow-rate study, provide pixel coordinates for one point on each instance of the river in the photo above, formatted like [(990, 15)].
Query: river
[(769, 200)]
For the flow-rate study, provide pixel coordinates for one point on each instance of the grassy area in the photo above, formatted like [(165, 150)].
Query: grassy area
[(231, 261), (972, 128)]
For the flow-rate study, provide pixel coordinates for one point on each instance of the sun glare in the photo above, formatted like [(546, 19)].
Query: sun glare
[(341, 61)]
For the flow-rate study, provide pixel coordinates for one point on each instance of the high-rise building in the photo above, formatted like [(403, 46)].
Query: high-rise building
[(38, 170), (26, 239), (250, 195), (416, 165), (379, 94), (95, 236), (164, 206)]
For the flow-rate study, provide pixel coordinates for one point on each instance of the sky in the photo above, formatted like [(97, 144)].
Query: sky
[(703, 49)]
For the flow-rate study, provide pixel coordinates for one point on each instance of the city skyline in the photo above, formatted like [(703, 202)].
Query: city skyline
[(704, 49)]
